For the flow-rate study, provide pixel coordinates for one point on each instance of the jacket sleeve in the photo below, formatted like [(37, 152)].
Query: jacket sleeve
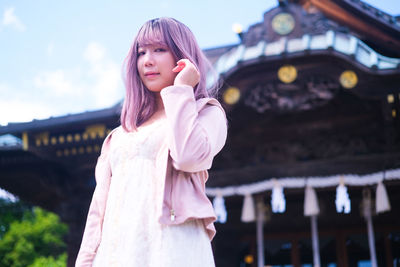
[(94, 223), (195, 137)]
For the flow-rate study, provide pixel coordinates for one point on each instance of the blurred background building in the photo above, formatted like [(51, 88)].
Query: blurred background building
[(312, 97)]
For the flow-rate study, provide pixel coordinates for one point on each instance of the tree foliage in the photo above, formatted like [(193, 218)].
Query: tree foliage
[(36, 240), (50, 261), (12, 211)]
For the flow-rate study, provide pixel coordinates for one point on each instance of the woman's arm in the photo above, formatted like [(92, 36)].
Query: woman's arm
[(195, 137), (94, 223)]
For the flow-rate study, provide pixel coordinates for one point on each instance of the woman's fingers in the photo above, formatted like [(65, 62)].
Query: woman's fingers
[(179, 67), (187, 73)]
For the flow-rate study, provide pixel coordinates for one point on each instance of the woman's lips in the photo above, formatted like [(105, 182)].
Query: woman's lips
[(151, 74)]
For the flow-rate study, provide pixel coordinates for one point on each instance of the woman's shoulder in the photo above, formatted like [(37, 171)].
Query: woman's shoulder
[(116, 131), (207, 102), (112, 134), (211, 110)]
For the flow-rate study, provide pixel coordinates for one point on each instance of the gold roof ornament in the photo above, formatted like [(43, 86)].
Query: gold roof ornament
[(96, 148), (42, 139), (77, 137), (231, 95), (89, 149), (25, 141), (390, 98), (53, 140), (283, 23), (95, 130), (348, 79), (85, 136), (287, 73)]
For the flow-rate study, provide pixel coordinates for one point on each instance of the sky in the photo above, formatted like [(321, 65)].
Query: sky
[(65, 57)]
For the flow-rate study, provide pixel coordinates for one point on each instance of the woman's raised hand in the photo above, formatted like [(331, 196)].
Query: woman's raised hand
[(187, 73)]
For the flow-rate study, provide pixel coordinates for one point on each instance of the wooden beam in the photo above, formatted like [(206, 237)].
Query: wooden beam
[(332, 10), (244, 175)]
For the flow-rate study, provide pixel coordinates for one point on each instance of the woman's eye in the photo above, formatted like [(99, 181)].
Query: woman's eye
[(140, 53), (160, 49)]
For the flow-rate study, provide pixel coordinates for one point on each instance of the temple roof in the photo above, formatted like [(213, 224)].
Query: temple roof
[(62, 121), (347, 46), (379, 29)]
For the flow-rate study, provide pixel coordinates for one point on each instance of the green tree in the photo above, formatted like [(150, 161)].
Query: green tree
[(50, 261), (12, 211), (36, 239)]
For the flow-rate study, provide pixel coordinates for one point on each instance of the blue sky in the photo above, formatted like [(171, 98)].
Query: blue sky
[(59, 57)]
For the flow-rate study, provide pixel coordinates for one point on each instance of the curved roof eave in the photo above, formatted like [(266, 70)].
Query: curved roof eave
[(35, 125), (344, 44)]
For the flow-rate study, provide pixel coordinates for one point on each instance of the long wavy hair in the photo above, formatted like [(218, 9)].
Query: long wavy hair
[(140, 103)]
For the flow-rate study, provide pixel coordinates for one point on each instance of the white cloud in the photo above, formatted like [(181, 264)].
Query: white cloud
[(94, 52), (105, 74), (21, 106), (10, 19), (14, 110), (94, 84), (107, 85), (55, 83)]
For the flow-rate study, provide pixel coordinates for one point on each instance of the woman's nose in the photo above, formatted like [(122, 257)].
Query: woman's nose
[(148, 59)]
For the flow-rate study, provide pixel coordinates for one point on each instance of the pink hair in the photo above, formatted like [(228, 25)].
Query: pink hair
[(139, 103)]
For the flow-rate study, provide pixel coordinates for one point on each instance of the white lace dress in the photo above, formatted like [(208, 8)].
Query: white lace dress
[(132, 235)]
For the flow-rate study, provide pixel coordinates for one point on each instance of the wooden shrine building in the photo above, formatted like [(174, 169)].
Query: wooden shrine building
[(312, 95)]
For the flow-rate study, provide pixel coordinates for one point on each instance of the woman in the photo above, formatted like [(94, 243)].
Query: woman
[(149, 207)]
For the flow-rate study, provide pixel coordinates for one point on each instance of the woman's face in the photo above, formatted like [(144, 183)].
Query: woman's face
[(155, 63)]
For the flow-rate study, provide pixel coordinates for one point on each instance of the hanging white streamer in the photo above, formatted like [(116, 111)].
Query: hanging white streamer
[(382, 200), (342, 202), (300, 182), (248, 210), (311, 206), (220, 209), (342, 199), (278, 201)]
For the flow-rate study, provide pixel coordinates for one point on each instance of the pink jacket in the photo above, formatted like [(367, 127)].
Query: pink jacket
[(197, 131)]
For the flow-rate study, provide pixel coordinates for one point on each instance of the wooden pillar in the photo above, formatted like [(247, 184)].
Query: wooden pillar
[(294, 253), (260, 232), (253, 251), (315, 241), (371, 241), (388, 250), (341, 251), (367, 212)]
